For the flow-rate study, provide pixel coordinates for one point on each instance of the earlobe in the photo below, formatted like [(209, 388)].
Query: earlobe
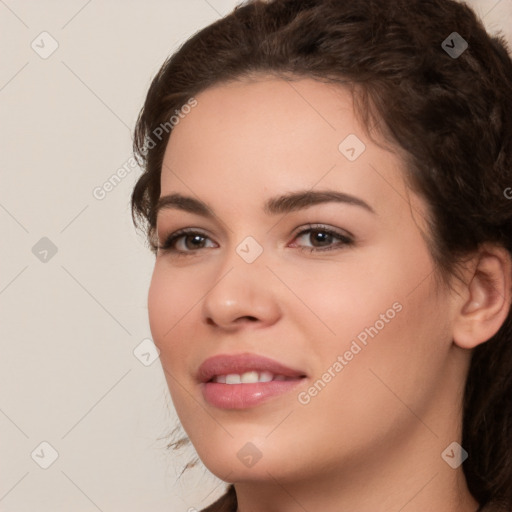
[(487, 298)]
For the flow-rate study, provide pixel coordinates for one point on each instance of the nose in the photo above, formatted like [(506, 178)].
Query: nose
[(242, 295)]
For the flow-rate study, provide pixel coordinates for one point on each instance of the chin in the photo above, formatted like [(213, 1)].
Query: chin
[(243, 460)]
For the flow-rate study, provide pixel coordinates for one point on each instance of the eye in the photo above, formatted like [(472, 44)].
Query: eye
[(322, 235), (186, 234)]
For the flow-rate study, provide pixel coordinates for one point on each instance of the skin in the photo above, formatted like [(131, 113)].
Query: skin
[(372, 439)]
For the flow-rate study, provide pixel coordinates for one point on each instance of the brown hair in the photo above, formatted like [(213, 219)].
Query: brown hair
[(449, 115)]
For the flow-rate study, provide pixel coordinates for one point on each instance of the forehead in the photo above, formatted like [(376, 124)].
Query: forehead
[(270, 116), (274, 135)]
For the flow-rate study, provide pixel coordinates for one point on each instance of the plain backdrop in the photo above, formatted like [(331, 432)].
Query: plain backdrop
[(84, 406)]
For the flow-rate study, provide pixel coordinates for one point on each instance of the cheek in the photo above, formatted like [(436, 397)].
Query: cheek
[(379, 314), (159, 302), (392, 344), (174, 302), (348, 296), (168, 304)]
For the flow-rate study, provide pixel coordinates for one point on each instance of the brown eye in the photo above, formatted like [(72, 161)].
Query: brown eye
[(323, 236), (195, 241)]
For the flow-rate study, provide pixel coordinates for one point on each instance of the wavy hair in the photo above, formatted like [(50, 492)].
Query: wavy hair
[(449, 115)]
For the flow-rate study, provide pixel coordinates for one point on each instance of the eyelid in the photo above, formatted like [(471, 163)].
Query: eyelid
[(322, 226)]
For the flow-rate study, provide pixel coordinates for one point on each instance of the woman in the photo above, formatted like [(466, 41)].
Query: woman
[(332, 225)]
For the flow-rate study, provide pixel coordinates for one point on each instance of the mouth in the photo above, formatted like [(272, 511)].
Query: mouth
[(241, 381), (245, 368)]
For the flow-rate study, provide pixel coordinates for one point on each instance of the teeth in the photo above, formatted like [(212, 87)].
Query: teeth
[(233, 378), (248, 378), (266, 376)]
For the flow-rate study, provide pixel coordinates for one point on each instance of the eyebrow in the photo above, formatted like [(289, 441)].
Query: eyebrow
[(285, 203)]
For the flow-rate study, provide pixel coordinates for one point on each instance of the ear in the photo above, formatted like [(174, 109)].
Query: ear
[(485, 299)]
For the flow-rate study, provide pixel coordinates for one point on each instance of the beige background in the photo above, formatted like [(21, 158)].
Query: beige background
[(72, 323)]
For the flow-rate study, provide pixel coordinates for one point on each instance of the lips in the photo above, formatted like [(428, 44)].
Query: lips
[(242, 363), (236, 395)]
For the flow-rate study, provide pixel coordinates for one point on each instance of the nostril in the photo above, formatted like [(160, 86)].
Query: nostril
[(250, 318)]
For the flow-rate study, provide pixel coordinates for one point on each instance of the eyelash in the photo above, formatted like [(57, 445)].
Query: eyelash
[(167, 246)]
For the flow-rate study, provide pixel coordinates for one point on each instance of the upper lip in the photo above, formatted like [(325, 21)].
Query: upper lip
[(241, 363)]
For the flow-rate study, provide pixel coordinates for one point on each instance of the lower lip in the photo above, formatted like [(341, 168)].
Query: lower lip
[(243, 396)]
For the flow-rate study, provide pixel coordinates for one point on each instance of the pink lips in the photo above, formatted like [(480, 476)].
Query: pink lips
[(241, 396)]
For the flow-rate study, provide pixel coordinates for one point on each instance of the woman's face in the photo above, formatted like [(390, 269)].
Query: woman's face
[(362, 321)]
